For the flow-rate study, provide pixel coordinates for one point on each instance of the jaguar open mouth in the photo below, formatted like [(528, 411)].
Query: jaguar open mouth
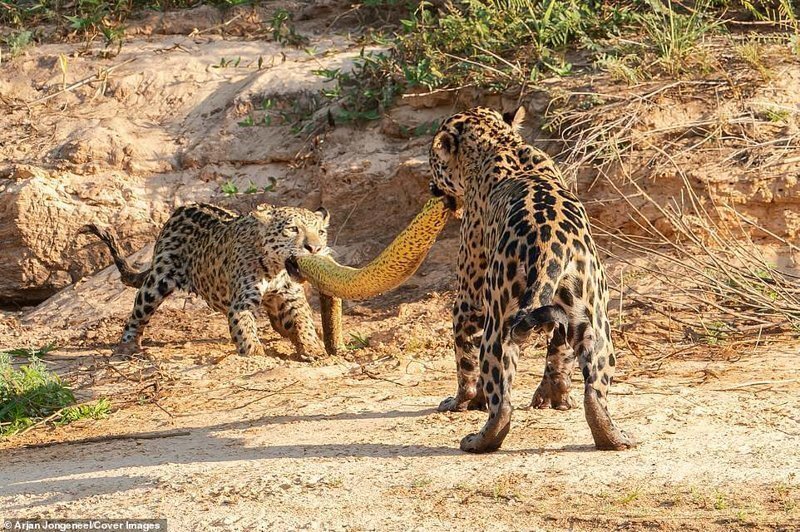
[(293, 269)]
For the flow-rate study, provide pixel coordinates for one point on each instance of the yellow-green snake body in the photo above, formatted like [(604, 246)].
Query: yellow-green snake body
[(390, 269)]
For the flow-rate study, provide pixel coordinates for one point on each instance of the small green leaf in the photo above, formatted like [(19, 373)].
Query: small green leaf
[(229, 188)]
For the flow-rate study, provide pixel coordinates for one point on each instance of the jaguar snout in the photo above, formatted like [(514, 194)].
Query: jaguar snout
[(313, 248)]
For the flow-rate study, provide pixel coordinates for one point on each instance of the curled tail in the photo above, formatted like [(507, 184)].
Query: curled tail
[(129, 276), (526, 321)]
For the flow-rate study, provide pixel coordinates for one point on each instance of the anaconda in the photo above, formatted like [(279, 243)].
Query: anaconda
[(390, 269)]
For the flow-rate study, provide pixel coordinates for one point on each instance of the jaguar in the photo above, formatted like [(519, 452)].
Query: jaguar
[(237, 264), (527, 263)]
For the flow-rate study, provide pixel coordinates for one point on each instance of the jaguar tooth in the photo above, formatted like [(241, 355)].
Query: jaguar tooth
[(388, 270)]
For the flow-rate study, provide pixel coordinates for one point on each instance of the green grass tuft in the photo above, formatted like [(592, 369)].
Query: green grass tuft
[(31, 394), (97, 410), (676, 37), (17, 41), (357, 341)]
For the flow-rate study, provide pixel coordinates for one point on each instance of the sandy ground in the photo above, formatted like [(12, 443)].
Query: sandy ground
[(355, 443), (212, 441)]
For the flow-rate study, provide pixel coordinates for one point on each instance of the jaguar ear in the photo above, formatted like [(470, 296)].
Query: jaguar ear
[(323, 214), (444, 145), (515, 118)]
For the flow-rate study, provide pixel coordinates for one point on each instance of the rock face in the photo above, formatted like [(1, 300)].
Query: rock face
[(39, 217), (170, 127)]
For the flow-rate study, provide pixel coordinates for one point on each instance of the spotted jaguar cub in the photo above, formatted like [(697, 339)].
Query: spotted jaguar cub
[(236, 264), (527, 262)]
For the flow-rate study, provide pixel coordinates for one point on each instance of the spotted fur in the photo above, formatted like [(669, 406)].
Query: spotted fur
[(236, 264), (527, 262)]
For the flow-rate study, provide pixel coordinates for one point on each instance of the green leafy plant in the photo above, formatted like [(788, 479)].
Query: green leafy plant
[(251, 188), (624, 68), (229, 188), (18, 41), (421, 482), (716, 332), (496, 45), (720, 501), (629, 497), (421, 74), (100, 409), (96, 17), (426, 128), (298, 113), (283, 30), (31, 394), (295, 113), (499, 43), (794, 44), (273, 182), (366, 91), (492, 44), (777, 114), (247, 122), (751, 53), (225, 63)]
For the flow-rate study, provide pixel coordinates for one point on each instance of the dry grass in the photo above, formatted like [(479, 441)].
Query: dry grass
[(705, 260)]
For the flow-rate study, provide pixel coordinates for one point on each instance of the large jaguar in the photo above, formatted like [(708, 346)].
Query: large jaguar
[(527, 262)]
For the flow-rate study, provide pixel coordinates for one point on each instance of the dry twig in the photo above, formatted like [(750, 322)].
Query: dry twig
[(112, 437)]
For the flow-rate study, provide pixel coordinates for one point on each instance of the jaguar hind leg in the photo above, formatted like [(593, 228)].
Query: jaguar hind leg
[(497, 388), (596, 358), (499, 355), (148, 298), (467, 328)]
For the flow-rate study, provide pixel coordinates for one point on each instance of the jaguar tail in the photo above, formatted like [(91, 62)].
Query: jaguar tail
[(526, 321), (128, 274)]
